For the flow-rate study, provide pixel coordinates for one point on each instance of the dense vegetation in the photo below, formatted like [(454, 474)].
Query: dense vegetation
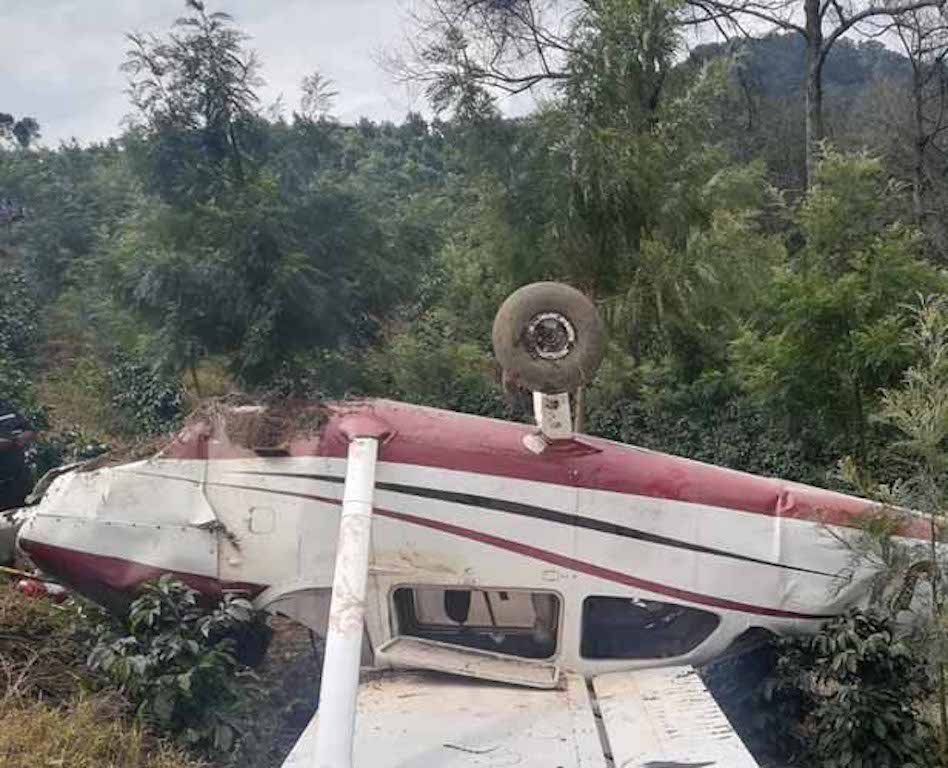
[(166, 686), (760, 317)]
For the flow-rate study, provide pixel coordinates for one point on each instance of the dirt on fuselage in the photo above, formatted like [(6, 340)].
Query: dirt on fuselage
[(259, 427)]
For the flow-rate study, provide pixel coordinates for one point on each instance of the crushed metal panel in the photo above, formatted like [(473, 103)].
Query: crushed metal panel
[(418, 653), (425, 719), (666, 717)]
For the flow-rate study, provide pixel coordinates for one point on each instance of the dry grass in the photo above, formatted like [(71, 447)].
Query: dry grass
[(213, 380), (41, 655), (90, 732), (75, 393), (54, 712), (48, 716)]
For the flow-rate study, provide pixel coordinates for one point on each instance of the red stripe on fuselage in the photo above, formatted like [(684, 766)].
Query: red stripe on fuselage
[(103, 577), (458, 442), (582, 566), (445, 440), (87, 571)]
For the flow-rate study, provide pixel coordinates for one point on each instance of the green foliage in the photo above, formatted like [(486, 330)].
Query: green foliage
[(176, 662), (149, 402), (710, 419), (21, 132), (827, 337), (432, 363), (18, 337), (917, 411), (72, 196), (62, 447), (195, 94), (918, 408), (862, 685)]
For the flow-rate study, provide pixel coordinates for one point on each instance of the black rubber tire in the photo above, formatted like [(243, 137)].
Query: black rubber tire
[(522, 364)]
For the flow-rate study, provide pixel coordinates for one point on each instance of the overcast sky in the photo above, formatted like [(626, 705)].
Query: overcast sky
[(59, 59)]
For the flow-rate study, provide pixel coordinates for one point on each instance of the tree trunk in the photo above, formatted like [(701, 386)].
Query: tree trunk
[(814, 87), (195, 381), (918, 166)]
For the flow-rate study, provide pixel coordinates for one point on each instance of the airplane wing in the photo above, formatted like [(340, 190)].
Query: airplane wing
[(643, 719)]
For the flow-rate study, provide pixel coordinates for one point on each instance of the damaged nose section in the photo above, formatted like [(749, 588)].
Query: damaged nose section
[(107, 531), (45, 541)]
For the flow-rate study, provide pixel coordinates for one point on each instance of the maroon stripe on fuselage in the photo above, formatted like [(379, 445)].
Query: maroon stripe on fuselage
[(590, 569), (446, 440), (105, 578), (452, 441), (87, 571)]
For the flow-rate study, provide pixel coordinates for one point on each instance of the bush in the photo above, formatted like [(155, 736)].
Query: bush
[(709, 419), (862, 687), (57, 448), (177, 662), (18, 312), (18, 336), (149, 402)]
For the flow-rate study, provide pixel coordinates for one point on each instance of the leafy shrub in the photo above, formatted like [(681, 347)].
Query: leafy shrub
[(18, 335), (709, 419), (18, 329), (177, 662), (431, 362), (862, 686), (150, 402), (57, 448)]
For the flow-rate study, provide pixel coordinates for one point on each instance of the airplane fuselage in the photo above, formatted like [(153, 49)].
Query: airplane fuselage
[(594, 555)]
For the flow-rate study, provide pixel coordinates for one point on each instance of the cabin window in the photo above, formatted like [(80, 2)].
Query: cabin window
[(630, 628), (514, 622)]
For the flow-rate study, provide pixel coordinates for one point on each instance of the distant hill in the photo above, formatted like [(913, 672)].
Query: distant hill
[(768, 119), (775, 64)]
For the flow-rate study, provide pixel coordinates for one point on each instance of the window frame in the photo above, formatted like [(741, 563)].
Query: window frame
[(397, 629), (582, 651)]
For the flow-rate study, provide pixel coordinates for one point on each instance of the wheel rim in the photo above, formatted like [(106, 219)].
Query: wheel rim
[(550, 336)]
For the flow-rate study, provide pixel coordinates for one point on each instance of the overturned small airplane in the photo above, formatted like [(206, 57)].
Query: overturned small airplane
[(513, 594)]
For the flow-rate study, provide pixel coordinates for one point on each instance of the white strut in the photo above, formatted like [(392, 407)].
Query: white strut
[(552, 413), (340, 677)]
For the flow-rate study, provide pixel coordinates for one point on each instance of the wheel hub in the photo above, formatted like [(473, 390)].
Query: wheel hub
[(551, 336)]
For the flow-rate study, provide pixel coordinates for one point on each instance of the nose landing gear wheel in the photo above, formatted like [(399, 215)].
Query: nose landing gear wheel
[(548, 337)]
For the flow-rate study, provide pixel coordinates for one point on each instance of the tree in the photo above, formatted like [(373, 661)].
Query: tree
[(823, 23), (22, 132), (194, 91), (460, 48), (923, 34), (827, 336), (318, 97), (918, 411)]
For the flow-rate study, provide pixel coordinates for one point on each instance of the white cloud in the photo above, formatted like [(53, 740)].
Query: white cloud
[(59, 59)]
